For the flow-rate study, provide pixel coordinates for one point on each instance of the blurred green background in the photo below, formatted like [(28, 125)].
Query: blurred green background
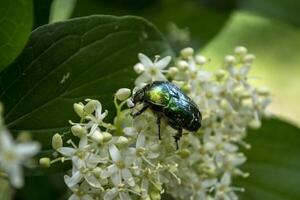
[(270, 29)]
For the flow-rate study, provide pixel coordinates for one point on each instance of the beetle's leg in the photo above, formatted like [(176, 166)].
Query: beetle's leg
[(158, 121), (140, 111), (177, 137)]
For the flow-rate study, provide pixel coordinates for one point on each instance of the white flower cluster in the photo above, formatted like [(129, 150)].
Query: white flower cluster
[(13, 155), (126, 160)]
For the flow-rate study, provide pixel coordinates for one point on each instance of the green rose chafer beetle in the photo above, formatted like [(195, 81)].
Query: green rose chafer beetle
[(168, 101)]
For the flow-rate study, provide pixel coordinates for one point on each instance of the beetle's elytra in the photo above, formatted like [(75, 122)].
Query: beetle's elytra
[(170, 102)]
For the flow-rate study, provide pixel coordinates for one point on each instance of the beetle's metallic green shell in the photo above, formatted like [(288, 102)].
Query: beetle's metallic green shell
[(178, 108)]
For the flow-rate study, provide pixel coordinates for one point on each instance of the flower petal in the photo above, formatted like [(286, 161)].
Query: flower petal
[(94, 159), (116, 178), (127, 176), (145, 60), (16, 176), (72, 181), (145, 184), (159, 77), (83, 142), (6, 140), (142, 79), (66, 151), (26, 150), (130, 131), (114, 153), (110, 170), (140, 140), (111, 194), (152, 155), (87, 197), (124, 196), (226, 179), (92, 180), (74, 197), (162, 63)]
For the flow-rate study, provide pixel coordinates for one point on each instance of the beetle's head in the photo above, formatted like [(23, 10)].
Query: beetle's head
[(138, 96)]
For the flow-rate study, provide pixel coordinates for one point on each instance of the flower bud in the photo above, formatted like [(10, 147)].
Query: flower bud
[(97, 172), (240, 50), (172, 72), (24, 136), (139, 68), (183, 65), (201, 60), (184, 153), (255, 124), (229, 60), (187, 52), (106, 136), (78, 130), (122, 141), (45, 162), (123, 94), (90, 107), (186, 87), (57, 141), (249, 58), (224, 104), (97, 136), (220, 74), (238, 91), (155, 195), (130, 131), (78, 108)]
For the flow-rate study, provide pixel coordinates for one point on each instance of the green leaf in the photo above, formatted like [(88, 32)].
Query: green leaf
[(202, 23), (273, 162), (276, 46), (15, 23), (287, 10), (61, 10), (67, 62)]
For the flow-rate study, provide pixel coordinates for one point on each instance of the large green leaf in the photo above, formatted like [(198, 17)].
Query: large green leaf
[(66, 62), (273, 162), (276, 46), (15, 23), (202, 23)]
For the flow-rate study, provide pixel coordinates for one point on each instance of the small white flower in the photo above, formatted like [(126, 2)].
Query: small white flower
[(153, 70), (80, 174), (119, 170), (80, 192), (13, 156), (117, 191), (81, 156), (97, 119)]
